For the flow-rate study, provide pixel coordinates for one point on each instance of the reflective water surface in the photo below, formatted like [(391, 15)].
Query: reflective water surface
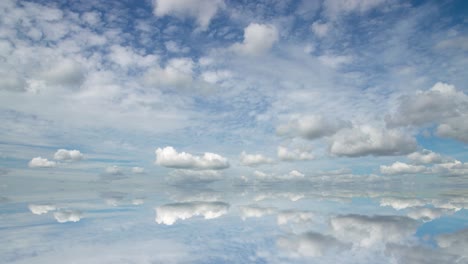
[(343, 219)]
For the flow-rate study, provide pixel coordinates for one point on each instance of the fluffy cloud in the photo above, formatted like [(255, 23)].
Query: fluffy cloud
[(367, 231), (292, 175), (250, 211), (427, 213), (169, 157), (194, 177), (311, 127), (320, 29), (39, 209), (168, 214), (426, 156), (443, 104), (334, 8), (68, 216), (294, 216), (68, 155), (39, 162), (286, 154), (67, 73), (366, 140), (402, 168), (311, 244), (114, 170), (454, 168), (416, 254), (455, 243), (258, 39), (202, 10), (138, 170), (178, 72), (401, 203), (253, 160)]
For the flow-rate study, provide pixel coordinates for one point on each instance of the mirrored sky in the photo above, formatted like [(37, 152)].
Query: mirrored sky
[(219, 131)]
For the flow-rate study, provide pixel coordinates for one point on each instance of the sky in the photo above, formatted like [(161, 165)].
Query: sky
[(154, 101)]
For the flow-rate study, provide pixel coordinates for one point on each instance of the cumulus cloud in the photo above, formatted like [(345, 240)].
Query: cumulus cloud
[(168, 214), (258, 39), (68, 155), (182, 176), (138, 170), (426, 156), (401, 203), (443, 104), (40, 162), (67, 73), (202, 10), (367, 140), (454, 168), (311, 127), (114, 170), (335, 8), (402, 168), (320, 29), (39, 209), (294, 216), (249, 211), (418, 254), (178, 72), (292, 175), (169, 157), (253, 160), (68, 216), (311, 244), (455, 243), (286, 154), (367, 231), (428, 213)]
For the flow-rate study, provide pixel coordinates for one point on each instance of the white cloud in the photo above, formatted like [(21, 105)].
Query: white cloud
[(455, 243), (195, 177), (138, 170), (334, 61), (320, 29), (443, 104), (401, 203), (178, 72), (168, 214), (114, 170), (214, 77), (253, 160), (11, 81), (292, 175), (366, 140), (311, 127), (286, 154), (68, 216), (68, 155), (367, 231), (294, 216), (428, 213), (418, 254), (311, 244), (426, 156), (39, 209), (169, 157), (250, 211), (138, 201), (258, 39), (202, 10), (454, 168), (335, 8), (39, 162), (402, 168), (66, 72)]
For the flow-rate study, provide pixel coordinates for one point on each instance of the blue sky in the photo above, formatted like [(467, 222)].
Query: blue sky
[(119, 95)]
